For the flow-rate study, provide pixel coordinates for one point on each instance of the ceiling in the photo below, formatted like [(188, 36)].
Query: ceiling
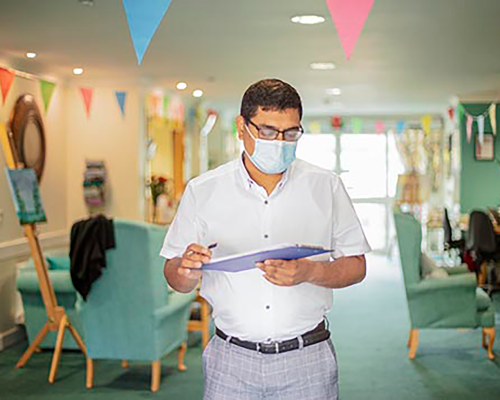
[(412, 56)]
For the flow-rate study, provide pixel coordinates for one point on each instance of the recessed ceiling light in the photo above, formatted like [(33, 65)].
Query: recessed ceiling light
[(88, 3), (31, 55), (198, 93), (182, 85), (78, 71), (322, 66), (308, 19), (334, 91)]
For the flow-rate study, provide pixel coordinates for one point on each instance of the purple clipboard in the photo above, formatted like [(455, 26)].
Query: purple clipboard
[(248, 261)]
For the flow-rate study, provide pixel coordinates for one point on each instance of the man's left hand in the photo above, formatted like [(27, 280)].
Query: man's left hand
[(287, 273)]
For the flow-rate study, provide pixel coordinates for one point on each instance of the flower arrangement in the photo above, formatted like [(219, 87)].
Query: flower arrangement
[(158, 185)]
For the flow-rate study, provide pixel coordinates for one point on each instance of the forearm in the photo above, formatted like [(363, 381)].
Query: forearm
[(343, 272), (176, 281)]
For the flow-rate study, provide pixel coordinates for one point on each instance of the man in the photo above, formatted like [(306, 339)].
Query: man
[(271, 341)]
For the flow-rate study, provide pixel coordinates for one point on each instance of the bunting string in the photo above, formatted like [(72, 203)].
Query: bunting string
[(490, 113)]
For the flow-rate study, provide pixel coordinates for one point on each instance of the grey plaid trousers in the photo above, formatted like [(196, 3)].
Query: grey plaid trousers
[(234, 373)]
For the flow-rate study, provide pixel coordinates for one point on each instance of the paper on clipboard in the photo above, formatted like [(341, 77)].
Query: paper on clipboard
[(245, 261)]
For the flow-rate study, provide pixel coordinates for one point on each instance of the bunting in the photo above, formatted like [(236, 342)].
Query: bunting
[(356, 125), (400, 127), (469, 127), (349, 18), (379, 127), (480, 128), (490, 112), (121, 97), (426, 124), (6, 79), (315, 127), (493, 117), (47, 89), (143, 18), (451, 113), (337, 122), (87, 94)]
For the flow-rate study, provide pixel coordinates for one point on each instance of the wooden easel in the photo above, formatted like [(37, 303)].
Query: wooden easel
[(57, 320)]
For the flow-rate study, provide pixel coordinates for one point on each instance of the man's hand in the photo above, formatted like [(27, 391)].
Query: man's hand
[(343, 272), (287, 273), (184, 273), (192, 260)]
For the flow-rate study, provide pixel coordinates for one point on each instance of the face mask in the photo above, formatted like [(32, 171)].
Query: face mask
[(272, 156)]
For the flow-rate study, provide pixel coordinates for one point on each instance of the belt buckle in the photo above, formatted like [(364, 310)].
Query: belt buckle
[(277, 347)]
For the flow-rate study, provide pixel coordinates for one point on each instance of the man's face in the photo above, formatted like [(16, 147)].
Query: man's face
[(280, 120)]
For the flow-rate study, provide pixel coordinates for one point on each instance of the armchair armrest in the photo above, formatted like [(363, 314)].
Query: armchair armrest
[(443, 303), (460, 283), (176, 302), (462, 269), (27, 281)]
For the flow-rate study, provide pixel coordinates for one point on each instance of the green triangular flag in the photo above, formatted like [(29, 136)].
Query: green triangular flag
[(356, 125), (47, 91)]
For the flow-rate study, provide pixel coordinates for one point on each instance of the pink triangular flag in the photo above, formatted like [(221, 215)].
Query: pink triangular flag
[(87, 98), (379, 127), (6, 78), (469, 127), (349, 17)]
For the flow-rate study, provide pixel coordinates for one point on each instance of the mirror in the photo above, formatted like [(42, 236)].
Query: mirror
[(28, 134)]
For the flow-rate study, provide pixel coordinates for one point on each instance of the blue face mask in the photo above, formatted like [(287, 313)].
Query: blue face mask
[(272, 156)]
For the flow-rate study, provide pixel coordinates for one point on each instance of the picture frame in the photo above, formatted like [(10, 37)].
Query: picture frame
[(485, 151)]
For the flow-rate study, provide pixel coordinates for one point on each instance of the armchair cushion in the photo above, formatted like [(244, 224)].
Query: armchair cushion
[(429, 268), (58, 262), (483, 301)]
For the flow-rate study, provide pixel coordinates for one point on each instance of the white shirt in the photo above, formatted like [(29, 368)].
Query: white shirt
[(225, 206)]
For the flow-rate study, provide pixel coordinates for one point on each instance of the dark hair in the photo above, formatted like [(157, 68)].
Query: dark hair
[(270, 95)]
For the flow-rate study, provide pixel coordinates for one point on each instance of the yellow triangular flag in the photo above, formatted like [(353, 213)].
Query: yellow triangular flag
[(426, 124), (493, 118)]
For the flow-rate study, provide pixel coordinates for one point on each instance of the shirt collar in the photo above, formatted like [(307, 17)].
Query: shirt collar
[(249, 183)]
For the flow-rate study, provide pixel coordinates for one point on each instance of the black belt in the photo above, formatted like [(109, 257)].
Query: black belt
[(318, 334)]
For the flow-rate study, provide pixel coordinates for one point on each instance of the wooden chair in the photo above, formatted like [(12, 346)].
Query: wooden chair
[(202, 324)]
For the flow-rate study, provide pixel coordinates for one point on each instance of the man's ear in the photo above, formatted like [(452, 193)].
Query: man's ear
[(240, 126)]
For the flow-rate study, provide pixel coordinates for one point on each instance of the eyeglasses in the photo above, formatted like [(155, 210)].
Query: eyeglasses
[(290, 135)]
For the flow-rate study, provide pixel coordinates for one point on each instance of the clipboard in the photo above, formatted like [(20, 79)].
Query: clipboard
[(246, 261)]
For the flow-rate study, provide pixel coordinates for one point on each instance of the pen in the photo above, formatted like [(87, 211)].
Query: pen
[(212, 246)]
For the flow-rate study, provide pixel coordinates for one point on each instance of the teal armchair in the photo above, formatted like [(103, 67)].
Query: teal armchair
[(451, 302), (34, 309), (130, 313)]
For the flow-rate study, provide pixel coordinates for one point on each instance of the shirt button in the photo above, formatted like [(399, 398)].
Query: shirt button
[(266, 202), (266, 236), (268, 307)]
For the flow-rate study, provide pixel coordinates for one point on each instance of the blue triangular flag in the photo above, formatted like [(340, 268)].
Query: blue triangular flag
[(121, 97), (143, 17), (400, 127)]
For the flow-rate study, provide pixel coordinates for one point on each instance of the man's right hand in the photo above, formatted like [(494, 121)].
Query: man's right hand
[(192, 260)]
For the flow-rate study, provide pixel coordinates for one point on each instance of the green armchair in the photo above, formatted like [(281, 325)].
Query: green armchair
[(34, 310), (451, 302), (130, 313)]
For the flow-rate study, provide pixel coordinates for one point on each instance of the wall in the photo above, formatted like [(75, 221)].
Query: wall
[(162, 134), (71, 139), (13, 246), (106, 135), (479, 180)]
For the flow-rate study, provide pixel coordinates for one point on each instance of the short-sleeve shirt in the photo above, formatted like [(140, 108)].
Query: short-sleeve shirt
[(225, 206)]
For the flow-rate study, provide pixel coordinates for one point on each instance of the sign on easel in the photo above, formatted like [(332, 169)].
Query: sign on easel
[(26, 196)]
